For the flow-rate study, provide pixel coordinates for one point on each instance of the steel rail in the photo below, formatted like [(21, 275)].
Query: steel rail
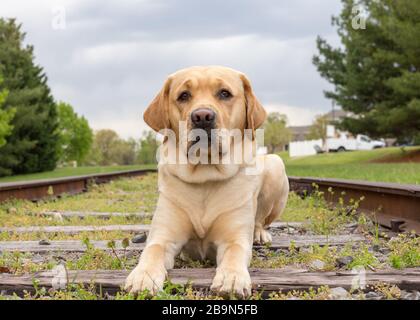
[(396, 206), (38, 189)]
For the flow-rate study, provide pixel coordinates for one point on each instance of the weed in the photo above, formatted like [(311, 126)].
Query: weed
[(390, 292), (405, 251)]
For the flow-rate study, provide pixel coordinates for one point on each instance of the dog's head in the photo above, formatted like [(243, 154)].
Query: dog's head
[(205, 98)]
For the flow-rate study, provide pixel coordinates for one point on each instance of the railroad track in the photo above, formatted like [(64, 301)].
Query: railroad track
[(287, 238), (395, 206)]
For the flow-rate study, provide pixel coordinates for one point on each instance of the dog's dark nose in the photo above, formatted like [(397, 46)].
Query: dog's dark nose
[(203, 118)]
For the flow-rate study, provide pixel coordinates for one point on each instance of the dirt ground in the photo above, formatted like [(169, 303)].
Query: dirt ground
[(409, 156)]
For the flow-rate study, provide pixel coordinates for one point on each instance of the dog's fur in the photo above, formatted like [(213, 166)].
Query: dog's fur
[(210, 210)]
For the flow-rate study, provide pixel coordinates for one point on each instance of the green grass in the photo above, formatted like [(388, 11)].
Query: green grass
[(357, 165), (67, 172), (122, 195)]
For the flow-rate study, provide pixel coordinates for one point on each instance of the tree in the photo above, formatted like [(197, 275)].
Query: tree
[(32, 146), (76, 136), (5, 118), (276, 134), (148, 148), (376, 72), (106, 141), (125, 152), (318, 129), (109, 149)]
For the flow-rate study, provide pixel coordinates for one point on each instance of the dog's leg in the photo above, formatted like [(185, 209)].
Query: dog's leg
[(164, 242), (271, 199), (261, 236), (234, 251)]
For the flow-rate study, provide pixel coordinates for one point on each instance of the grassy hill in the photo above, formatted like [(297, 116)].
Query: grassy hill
[(386, 165)]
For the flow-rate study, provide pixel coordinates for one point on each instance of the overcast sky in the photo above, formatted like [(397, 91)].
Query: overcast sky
[(111, 57)]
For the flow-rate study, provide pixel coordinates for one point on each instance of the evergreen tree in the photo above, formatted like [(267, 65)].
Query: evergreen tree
[(5, 117), (376, 71), (32, 145)]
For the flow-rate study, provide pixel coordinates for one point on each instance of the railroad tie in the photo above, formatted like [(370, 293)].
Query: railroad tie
[(266, 280), (279, 242)]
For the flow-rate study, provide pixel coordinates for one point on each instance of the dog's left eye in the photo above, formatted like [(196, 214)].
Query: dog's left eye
[(224, 94)]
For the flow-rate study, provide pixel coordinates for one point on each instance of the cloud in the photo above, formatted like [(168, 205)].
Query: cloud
[(113, 56), (125, 126), (296, 116)]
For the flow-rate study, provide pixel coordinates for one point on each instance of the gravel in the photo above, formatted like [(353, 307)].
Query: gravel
[(317, 264), (344, 261), (373, 296), (339, 293), (414, 295), (139, 238)]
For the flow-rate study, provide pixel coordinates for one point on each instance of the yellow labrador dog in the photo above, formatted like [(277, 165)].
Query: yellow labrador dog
[(214, 210)]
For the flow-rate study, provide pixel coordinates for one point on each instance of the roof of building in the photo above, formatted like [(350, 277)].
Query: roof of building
[(299, 129)]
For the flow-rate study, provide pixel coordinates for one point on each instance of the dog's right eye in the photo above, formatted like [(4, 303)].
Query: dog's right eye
[(184, 96)]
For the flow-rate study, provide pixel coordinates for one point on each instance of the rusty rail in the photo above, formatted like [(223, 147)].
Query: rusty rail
[(396, 206), (38, 189)]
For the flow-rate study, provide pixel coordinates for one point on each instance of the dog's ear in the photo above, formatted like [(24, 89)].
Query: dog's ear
[(255, 112), (157, 113)]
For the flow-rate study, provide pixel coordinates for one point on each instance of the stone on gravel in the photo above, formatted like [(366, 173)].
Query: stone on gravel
[(414, 295), (339, 293), (372, 296), (317, 264), (37, 258), (44, 242), (376, 247), (344, 261), (139, 238), (384, 250)]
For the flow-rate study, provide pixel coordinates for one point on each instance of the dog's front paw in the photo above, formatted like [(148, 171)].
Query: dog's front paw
[(262, 236), (228, 281), (141, 279)]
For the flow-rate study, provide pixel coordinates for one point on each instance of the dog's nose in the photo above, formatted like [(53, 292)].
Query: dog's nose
[(203, 118)]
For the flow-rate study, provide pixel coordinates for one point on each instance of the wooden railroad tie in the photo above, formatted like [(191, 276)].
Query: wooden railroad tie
[(266, 280), (121, 227), (60, 215), (279, 242)]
